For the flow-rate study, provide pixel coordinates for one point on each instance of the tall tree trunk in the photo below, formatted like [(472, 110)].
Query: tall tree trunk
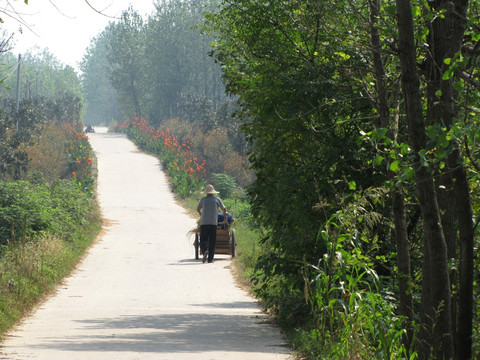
[(445, 40), (435, 317), (465, 308), (444, 180), (400, 223), (448, 214), (403, 263)]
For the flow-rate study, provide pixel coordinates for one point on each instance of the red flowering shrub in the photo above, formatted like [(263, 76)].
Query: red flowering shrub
[(189, 155), (80, 156), (186, 169)]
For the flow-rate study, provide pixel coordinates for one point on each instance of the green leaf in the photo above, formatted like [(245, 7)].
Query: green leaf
[(415, 11), (395, 166), (343, 55), (447, 61), (352, 185), (458, 85), (438, 93), (441, 154), (447, 74), (432, 132), (404, 149), (379, 133), (391, 9), (379, 160)]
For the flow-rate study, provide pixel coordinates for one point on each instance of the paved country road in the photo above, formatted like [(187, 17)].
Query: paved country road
[(139, 293)]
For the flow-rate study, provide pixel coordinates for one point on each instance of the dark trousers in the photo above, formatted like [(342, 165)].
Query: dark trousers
[(208, 237)]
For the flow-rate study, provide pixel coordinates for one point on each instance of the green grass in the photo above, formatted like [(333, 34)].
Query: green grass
[(30, 271)]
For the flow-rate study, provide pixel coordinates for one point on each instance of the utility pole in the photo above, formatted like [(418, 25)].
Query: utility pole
[(18, 88)]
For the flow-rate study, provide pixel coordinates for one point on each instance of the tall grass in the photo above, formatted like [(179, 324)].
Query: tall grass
[(31, 270)]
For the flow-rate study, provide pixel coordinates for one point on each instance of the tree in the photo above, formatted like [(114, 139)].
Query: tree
[(279, 58), (390, 123), (445, 39), (178, 62), (126, 54), (27, 121), (102, 100), (159, 67), (436, 283)]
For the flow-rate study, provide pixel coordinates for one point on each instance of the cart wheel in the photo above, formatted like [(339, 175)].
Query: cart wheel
[(197, 245), (234, 244)]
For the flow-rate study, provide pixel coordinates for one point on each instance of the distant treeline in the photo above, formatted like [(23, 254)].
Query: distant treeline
[(157, 68)]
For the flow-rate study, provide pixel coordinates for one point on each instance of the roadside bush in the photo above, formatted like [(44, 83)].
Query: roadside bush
[(80, 157), (28, 120), (47, 153), (241, 211), (28, 210), (352, 311), (217, 150), (237, 167), (184, 148), (46, 223)]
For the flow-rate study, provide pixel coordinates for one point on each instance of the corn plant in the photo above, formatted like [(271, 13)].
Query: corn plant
[(353, 314)]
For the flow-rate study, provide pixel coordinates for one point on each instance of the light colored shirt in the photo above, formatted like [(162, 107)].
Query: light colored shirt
[(209, 206)]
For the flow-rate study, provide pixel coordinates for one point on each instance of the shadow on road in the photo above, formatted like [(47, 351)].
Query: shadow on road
[(174, 333), (198, 262)]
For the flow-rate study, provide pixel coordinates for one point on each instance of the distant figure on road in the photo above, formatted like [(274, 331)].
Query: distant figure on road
[(89, 129), (208, 209)]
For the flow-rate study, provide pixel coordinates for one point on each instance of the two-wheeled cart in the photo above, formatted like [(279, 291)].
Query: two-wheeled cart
[(226, 243)]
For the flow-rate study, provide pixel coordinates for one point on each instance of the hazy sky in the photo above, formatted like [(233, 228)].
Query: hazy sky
[(65, 27)]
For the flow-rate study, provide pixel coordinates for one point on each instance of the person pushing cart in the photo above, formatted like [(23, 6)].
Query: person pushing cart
[(208, 210)]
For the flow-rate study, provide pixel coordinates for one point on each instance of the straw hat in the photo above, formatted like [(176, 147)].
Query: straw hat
[(210, 190)]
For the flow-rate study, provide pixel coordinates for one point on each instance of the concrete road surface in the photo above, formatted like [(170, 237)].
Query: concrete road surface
[(140, 294)]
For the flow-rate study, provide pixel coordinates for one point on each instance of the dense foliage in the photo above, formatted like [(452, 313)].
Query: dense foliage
[(29, 210), (158, 71), (45, 228), (45, 186), (350, 114), (46, 165)]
